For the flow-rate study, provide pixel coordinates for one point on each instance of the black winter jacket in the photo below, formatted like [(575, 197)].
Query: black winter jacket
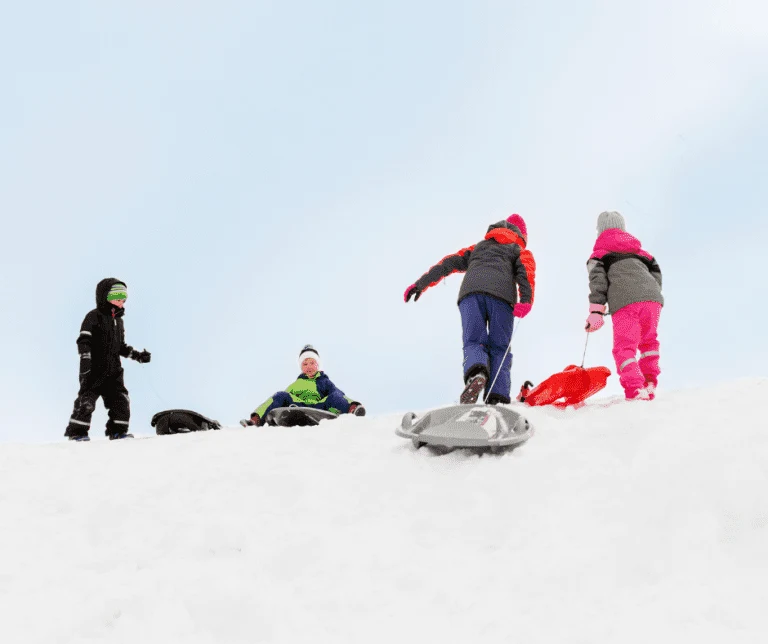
[(102, 338)]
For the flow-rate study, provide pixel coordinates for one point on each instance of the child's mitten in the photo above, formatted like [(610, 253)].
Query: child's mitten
[(521, 309), (412, 291), (595, 319), (141, 356)]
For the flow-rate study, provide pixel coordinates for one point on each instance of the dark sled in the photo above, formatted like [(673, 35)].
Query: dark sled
[(297, 416), (480, 426), (182, 421)]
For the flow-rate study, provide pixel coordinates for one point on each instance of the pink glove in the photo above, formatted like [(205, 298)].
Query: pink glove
[(410, 292), (521, 309), (595, 319)]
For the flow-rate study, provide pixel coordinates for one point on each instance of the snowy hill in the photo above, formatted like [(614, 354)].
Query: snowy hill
[(632, 523)]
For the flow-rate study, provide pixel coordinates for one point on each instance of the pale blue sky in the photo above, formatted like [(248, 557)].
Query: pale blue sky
[(267, 174)]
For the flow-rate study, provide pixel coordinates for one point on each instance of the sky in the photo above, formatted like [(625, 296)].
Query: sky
[(264, 175), (634, 523)]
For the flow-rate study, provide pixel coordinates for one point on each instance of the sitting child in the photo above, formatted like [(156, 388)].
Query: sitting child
[(312, 389)]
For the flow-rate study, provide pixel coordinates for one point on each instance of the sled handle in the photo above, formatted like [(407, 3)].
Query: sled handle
[(584, 357), (498, 371), (407, 421)]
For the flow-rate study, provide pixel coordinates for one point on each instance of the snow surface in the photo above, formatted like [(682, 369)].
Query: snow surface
[(638, 522)]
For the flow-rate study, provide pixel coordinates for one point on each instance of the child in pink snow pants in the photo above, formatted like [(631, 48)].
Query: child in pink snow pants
[(625, 281)]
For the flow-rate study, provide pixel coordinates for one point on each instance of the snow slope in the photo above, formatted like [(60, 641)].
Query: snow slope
[(632, 523)]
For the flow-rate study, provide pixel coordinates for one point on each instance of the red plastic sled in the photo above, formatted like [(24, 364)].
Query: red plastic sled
[(572, 386)]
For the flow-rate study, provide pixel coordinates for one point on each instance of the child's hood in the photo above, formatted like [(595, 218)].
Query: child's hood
[(505, 233), (102, 290), (615, 240)]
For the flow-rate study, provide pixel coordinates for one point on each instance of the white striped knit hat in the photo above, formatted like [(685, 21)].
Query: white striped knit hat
[(309, 352), (117, 292)]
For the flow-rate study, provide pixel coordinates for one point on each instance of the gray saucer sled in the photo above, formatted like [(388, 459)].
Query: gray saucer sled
[(484, 426), (297, 416)]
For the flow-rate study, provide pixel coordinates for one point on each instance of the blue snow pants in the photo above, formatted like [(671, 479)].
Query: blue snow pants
[(335, 400), (487, 329)]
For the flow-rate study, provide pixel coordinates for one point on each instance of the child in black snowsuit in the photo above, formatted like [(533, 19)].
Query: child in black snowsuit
[(100, 344)]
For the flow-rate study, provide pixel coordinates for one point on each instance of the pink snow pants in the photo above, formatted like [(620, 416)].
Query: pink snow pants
[(634, 329)]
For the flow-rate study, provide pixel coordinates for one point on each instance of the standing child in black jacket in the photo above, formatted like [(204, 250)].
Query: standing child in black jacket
[(100, 344)]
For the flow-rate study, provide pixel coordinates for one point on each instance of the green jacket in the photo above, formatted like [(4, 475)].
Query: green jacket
[(307, 391)]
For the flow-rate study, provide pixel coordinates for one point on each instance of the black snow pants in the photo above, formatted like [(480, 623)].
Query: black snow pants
[(115, 396)]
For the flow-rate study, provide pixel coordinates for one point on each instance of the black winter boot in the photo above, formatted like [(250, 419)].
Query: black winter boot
[(472, 391), (497, 399), (117, 437)]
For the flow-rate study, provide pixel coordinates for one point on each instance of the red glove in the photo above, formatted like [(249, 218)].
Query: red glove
[(595, 319), (521, 309)]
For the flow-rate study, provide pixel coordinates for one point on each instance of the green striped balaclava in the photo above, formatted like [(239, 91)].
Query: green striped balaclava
[(117, 292)]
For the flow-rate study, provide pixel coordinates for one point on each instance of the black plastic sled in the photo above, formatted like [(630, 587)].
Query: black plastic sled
[(297, 416), (480, 426), (182, 421)]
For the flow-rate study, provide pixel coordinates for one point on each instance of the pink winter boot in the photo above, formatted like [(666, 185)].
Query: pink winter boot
[(640, 394)]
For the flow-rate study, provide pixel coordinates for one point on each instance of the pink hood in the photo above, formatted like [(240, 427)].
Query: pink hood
[(615, 240)]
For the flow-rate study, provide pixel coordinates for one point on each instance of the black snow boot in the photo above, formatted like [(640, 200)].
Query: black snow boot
[(80, 438), (497, 399), (472, 391), (117, 437)]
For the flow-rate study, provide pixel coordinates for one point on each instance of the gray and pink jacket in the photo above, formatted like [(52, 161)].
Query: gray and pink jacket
[(621, 272)]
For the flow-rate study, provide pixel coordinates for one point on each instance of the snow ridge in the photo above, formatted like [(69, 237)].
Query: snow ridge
[(617, 524)]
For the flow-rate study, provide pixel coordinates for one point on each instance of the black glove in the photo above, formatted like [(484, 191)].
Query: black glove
[(85, 368), (412, 291), (141, 356)]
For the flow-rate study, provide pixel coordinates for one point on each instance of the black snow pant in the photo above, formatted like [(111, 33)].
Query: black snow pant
[(116, 400)]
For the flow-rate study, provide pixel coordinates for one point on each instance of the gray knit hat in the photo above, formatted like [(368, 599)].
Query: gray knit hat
[(609, 219)]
